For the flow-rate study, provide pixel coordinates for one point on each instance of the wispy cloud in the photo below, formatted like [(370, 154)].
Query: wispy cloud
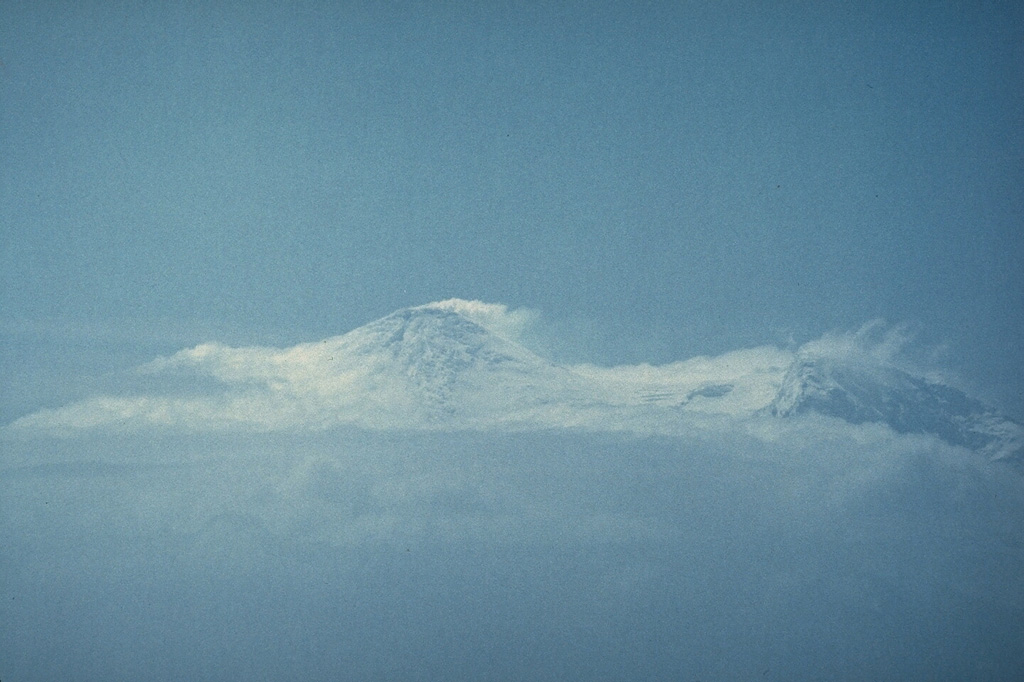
[(875, 342), (511, 323)]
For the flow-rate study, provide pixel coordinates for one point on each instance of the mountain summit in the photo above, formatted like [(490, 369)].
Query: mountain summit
[(454, 366)]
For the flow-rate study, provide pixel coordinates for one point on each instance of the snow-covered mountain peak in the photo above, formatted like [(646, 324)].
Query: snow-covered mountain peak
[(858, 388), (815, 381), (449, 363), (438, 334)]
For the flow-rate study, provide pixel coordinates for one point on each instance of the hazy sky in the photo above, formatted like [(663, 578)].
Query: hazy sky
[(659, 179), (641, 182)]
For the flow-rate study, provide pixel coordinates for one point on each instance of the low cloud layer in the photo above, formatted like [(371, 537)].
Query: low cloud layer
[(714, 556)]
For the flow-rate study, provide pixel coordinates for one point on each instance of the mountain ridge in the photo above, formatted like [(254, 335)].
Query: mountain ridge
[(859, 392), (457, 364)]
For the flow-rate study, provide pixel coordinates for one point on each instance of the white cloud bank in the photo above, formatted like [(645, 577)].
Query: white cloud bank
[(448, 365), (425, 377)]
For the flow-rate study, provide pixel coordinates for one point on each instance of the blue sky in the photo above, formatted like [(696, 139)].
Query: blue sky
[(660, 180)]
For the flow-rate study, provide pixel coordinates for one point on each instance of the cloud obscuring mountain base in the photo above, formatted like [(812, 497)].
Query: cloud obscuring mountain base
[(551, 555)]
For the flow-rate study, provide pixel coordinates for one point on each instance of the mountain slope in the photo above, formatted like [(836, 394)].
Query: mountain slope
[(858, 391), (452, 366)]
